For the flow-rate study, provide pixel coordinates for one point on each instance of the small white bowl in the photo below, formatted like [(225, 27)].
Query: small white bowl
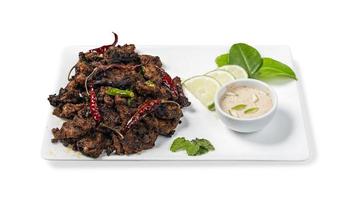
[(250, 124)]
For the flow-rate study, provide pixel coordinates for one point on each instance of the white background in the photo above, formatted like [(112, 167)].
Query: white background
[(33, 34)]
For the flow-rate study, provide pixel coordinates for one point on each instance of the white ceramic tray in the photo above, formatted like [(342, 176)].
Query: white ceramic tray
[(284, 139)]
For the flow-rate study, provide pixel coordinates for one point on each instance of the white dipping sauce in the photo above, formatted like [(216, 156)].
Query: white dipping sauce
[(246, 102)]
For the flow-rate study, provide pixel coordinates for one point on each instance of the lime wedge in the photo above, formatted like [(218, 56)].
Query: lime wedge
[(237, 71), (222, 76), (203, 88)]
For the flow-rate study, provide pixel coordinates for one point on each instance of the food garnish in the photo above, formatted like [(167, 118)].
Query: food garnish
[(203, 88), (168, 81), (237, 71), (272, 68), (222, 60), (257, 67), (222, 76), (123, 93), (239, 107), (104, 48), (144, 109), (89, 88), (194, 147), (245, 56), (251, 110), (93, 104)]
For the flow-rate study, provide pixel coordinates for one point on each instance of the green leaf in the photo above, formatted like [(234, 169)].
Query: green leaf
[(273, 69), (204, 144), (239, 107), (179, 144), (192, 149), (251, 110), (201, 151), (245, 56), (222, 60)]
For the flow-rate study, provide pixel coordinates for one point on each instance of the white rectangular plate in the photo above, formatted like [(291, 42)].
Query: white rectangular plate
[(284, 139)]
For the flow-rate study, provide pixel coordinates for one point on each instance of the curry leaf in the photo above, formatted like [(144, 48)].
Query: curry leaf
[(222, 60), (272, 69), (245, 56)]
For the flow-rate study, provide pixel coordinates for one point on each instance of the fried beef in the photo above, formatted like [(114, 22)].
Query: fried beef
[(135, 73)]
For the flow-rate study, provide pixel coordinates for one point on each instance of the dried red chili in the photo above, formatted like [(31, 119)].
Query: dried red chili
[(89, 87), (144, 109), (94, 109), (167, 80), (104, 48)]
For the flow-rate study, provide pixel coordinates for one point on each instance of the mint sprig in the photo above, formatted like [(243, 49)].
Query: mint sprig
[(194, 147)]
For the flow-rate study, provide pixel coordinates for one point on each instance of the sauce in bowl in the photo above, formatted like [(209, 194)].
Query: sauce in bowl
[(246, 102)]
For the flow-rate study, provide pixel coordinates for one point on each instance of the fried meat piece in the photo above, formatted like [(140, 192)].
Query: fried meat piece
[(150, 60), (122, 55), (65, 96), (137, 139), (130, 71), (75, 128), (92, 145), (182, 99), (68, 110)]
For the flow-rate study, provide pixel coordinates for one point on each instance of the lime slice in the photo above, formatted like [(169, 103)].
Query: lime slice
[(237, 71), (222, 76), (203, 88)]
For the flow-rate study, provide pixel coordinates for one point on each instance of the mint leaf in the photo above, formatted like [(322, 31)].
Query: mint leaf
[(179, 144), (273, 69), (245, 56), (203, 143), (222, 60), (192, 149), (201, 151)]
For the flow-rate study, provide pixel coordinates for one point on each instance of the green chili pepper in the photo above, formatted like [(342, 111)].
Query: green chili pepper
[(150, 83), (239, 107), (123, 93), (251, 110)]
